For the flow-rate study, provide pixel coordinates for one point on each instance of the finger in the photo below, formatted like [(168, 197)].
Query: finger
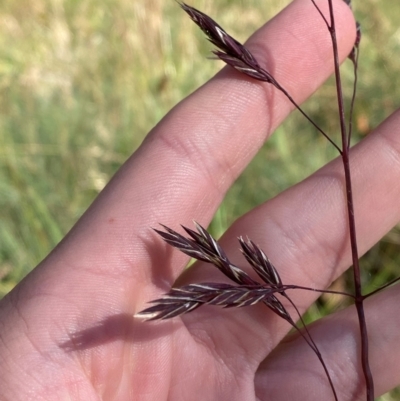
[(292, 369)]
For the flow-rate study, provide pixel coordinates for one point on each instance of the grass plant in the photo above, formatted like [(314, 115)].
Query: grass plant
[(81, 83)]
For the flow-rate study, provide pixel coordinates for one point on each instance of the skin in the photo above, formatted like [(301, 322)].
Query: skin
[(67, 331)]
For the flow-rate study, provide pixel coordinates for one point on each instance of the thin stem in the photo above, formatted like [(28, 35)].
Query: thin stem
[(283, 90), (299, 287), (382, 288), (312, 344), (350, 208), (321, 14)]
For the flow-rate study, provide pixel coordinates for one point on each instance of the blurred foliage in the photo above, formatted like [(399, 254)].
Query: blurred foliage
[(82, 82)]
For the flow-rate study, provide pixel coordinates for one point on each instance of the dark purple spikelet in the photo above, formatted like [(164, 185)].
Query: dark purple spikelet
[(202, 246), (358, 36), (231, 51), (260, 263), (353, 54), (185, 299), (216, 34)]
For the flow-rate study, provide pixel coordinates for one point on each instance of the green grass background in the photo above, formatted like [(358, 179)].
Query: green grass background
[(82, 82)]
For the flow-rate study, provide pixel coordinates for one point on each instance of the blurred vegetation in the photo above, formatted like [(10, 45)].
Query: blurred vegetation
[(82, 82)]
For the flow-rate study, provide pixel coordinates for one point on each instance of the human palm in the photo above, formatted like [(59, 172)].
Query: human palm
[(68, 331)]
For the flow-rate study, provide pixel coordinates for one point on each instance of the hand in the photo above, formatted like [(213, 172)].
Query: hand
[(68, 332)]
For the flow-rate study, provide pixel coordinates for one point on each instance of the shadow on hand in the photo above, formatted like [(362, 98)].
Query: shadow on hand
[(123, 326)]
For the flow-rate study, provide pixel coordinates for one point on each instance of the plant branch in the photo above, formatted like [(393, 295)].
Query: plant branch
[(239, 57), (351, 219), (382, 287), (312, 344), (202, 246)]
